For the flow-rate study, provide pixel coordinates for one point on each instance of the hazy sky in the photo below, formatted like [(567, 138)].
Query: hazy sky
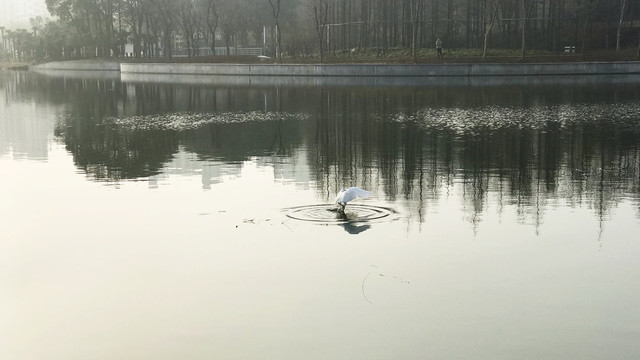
[(16, 13)]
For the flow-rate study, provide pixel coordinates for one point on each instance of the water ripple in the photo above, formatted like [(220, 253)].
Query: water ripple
[(326, 213)]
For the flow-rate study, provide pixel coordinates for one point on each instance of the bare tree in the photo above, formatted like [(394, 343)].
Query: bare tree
[(233, 21), (320, 12), (212, 20), (153, 31), (416, 9), (623, 5), (227, 24), (527, 7), (493, 14), (189, 22), (166, 10), (275, 9), (134, 15), (586, 11)]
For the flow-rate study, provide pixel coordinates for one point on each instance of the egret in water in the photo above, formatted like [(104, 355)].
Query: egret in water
[(352, 193)]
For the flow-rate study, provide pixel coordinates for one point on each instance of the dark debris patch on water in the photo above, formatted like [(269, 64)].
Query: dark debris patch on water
[(189, 121)]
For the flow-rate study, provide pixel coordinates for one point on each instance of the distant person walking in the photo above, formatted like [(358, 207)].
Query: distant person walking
[(439, 47)]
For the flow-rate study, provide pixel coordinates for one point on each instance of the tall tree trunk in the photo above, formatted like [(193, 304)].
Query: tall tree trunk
[(415, 11), (212, 19), (524, 32), (584, 38), (448, 37), (527, 8), (492, 17), (320, 12), (275, 10), (623, 5)]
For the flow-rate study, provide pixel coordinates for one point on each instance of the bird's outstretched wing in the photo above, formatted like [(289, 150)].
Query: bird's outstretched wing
[(354, 193)]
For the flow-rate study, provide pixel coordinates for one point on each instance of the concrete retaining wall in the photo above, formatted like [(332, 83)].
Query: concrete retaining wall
[(581, 68), (78, 65), (357, 70), (632, 67), (379, 81)]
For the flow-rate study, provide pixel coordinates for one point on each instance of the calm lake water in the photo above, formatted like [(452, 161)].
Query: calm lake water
[(189, 218)]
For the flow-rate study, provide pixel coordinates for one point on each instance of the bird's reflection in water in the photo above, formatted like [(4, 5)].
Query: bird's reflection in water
[(350, 225), (355, 228)]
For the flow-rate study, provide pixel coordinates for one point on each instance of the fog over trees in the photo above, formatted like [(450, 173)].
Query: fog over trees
[(301, 28)]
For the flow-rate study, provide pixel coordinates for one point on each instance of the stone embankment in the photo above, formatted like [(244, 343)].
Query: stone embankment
[(83, 65), (13, 65), (352, 70)]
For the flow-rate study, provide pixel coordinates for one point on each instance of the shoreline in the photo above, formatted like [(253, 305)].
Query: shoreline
[(13, 66), (350, 70)]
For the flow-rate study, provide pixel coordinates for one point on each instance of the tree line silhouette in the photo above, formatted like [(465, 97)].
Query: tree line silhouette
[(302, 28)]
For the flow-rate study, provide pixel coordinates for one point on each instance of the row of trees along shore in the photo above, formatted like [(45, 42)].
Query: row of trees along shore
[(321, 28)]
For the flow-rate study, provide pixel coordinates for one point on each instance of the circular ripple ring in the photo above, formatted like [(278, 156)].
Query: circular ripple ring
[(326, 213)]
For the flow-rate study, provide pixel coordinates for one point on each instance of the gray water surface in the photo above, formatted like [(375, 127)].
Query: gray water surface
[(146, 219)]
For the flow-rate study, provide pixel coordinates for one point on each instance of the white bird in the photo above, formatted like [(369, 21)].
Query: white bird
[(352, 193)]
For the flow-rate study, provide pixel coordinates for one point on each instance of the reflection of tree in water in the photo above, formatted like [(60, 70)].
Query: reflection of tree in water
[(99, 148), (238, 142), (111, 149), (530, 160), (497, 146), (109, 153)]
